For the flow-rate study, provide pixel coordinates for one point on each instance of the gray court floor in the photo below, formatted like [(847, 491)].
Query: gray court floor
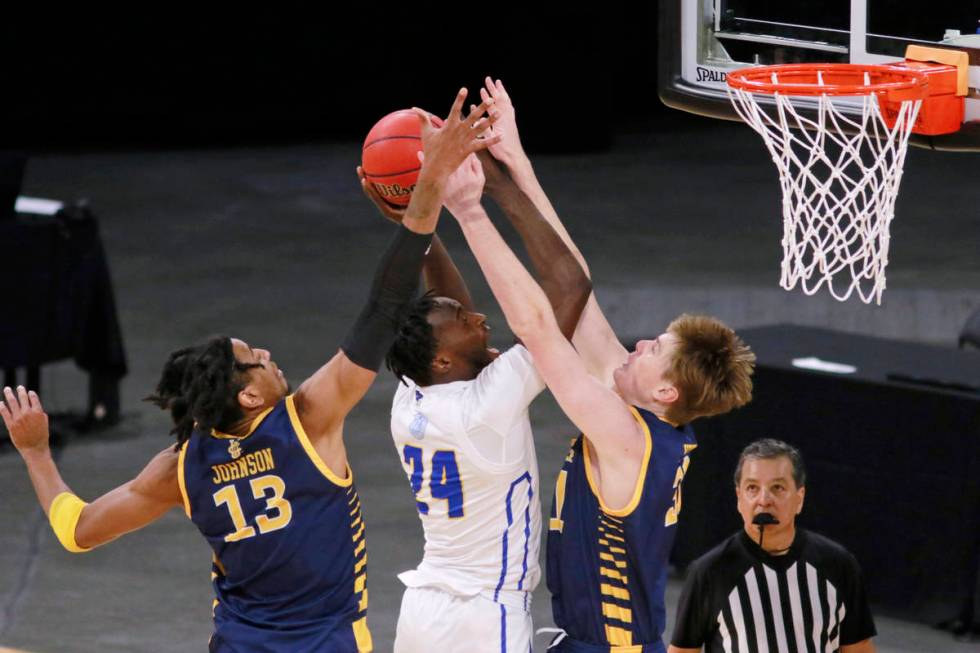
[(276, 246)]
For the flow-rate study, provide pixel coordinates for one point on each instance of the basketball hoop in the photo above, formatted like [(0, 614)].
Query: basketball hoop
[(838, 134)]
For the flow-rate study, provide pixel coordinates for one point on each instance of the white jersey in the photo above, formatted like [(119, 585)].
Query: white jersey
[(468, 451)]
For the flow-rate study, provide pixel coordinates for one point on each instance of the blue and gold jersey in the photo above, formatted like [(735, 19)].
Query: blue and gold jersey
[(607, 569), (290, 565)]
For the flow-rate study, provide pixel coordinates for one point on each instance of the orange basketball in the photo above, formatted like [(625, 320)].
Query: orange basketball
[(390, 156)]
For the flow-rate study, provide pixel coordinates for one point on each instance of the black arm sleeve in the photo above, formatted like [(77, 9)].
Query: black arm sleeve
[(396, 281)]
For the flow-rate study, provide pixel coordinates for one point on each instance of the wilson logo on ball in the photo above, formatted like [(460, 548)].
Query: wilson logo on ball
[(394, 192), (390, 157)]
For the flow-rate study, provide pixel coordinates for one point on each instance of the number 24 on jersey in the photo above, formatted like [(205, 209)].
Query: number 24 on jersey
[(444, 482)]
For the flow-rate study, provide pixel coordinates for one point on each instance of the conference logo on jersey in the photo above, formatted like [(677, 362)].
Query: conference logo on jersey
[(417, 427), (234, 450)]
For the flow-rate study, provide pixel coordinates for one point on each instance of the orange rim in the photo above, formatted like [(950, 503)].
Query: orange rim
[(830, 79)]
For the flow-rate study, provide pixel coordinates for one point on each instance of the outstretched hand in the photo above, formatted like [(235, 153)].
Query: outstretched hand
[(448, 145), (394, 213), (25, 419), (464, 187), (508, 149)]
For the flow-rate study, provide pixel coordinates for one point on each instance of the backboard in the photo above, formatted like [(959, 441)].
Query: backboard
[(702, 40)]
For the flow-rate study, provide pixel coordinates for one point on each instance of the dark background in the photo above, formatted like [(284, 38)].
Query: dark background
[(174, 77)]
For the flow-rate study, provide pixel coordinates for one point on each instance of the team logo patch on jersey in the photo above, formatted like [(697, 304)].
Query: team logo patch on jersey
[(234, 450), (417, 427)]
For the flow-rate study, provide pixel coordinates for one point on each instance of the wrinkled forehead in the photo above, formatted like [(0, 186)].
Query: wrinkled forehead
[(443, 310), (243, 352), (768, 470)]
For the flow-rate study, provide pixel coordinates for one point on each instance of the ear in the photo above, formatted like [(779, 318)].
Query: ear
[(666, 394), (441, 365), (802, 494), (249, 399)]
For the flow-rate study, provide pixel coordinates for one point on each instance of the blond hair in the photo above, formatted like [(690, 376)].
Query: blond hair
[(711, 368)]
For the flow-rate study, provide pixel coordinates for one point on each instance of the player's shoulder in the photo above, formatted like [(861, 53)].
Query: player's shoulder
[(515, 354), (515, 362), (167, 460), (403, 388), (160, 477)]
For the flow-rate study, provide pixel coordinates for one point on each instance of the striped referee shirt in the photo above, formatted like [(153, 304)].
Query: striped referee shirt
[(739, 599)]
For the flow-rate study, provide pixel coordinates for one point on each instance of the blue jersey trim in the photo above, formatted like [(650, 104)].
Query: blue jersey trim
[(503, 628), (526, 476)]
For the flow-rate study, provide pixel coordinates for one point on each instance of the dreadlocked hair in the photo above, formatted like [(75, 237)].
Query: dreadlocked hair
[(711, 367), (414, 348), (199, 385)]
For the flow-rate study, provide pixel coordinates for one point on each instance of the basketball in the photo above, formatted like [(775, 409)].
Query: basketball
[(390, 155)]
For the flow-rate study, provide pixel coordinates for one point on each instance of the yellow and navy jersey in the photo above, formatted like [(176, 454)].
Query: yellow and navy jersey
[(607, 569), (290, 564)]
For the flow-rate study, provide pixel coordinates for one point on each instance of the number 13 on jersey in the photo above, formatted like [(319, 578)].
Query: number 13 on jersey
[(444, 481)]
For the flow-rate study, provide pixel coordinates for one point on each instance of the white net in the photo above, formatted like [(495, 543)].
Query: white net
[(840, 176)]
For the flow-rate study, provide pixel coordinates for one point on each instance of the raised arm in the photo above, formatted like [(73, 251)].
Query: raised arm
[(594, 338), (439, 271), (594, 408), (324, 399), (558, 271), (80, 526)]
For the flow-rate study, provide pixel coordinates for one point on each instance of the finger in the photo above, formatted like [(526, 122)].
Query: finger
[(479, 111), (483, 143), (501, 91), (11, 400), (421, 156), (5, 414), (368, 188), (35, 401), (360, 173), (456, 110), (25, 403), (483, 94), (425, 119), (485, 123)]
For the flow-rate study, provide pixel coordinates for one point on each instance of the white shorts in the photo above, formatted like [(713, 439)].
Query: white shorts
[(434, 621)]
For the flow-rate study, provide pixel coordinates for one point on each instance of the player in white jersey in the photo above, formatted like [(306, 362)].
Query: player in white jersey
[(468, 450), (460, 426)]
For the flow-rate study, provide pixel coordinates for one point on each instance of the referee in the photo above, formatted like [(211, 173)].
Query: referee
[(772, 587)]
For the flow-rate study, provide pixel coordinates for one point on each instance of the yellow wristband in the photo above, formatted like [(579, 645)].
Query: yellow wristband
[(63, 515)]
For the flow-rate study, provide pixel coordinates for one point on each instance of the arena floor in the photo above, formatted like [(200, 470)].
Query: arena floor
[(276, 246)]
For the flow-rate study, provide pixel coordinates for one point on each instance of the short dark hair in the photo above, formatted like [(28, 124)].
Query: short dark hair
[(415, 344), (768, 448), (199, 385)]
